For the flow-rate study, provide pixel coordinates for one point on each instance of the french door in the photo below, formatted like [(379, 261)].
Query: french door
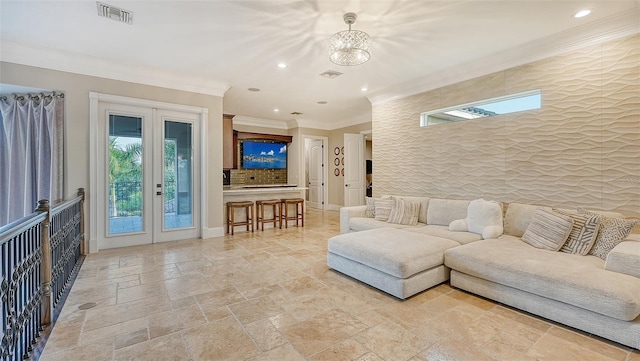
[(148, 175)]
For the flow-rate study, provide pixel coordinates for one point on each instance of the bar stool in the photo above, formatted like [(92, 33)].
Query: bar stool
[(231, 214), (277, 213), (298, 214)]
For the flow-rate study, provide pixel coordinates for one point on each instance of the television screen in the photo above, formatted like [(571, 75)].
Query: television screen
[(259, 155)]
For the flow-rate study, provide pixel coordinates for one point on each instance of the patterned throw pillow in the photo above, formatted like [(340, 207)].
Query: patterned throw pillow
[(404, 212), (612, 231), (383, 209), (548, 230), (370, 212), (583, 234)]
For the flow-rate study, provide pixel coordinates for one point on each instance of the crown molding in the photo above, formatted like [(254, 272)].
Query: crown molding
[(18, 53), (314, 124), (593, 33), (260, 122)]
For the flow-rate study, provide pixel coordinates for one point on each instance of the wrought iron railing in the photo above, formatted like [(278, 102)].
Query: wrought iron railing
[(126, 196), (40, 254)]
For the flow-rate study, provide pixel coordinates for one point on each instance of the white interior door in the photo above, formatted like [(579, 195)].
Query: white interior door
[(316, 174), (148, 175), (354, 170)]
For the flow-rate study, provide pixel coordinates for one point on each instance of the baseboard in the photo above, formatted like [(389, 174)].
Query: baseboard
[(212, 232)]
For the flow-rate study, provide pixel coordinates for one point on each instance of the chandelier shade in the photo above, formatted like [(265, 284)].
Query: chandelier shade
[(349, 47)]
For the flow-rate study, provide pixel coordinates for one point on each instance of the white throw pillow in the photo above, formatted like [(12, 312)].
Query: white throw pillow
[(483, 217), (459, 225), (370, 212), (383, 209)]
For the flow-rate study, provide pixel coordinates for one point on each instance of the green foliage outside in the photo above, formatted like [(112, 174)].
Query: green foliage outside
[(125, 177)]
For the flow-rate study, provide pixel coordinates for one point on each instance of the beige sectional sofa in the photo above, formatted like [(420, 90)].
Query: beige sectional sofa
[(598, 296)]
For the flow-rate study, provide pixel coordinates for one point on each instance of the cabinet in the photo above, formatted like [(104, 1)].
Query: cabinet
[(229, 143)]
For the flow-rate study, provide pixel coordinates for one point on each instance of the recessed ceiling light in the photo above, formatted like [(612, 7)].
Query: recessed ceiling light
[(254, 89), (276, 110), (322, 102), (582, 13), (282, 65), (363, 89)]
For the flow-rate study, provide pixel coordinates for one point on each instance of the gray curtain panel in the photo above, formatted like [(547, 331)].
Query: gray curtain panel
[(31, 153)]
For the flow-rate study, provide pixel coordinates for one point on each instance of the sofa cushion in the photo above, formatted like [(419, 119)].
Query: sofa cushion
[(358, 224), (578, 281), (444, 232), (404, 211), (424, 206), (400, 254), (518, 217), (444, 211), (583, 233), (548, 230), (624, 258)]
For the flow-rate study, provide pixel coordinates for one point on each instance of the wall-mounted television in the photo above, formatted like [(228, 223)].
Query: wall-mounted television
[(264, 155)]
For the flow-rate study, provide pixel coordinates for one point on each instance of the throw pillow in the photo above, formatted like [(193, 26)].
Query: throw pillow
[(383, 209), (548, 230), (370, 212), (612, 231), (459, 225), (583, 234), (485, 218), (404, 212)]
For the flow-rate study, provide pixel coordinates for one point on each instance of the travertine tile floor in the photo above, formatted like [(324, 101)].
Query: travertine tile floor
[(270, 296)]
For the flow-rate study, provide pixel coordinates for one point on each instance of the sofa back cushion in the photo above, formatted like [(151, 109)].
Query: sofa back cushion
[(444, 211), (518, 217), (424, 204)]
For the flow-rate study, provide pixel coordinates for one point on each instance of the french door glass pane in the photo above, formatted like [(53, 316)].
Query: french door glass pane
[(178, 182), (125, 174)]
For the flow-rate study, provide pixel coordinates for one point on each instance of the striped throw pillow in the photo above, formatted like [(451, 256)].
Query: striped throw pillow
[(612, 231), (404, 212), (548, 230), (583, 234), (383, 209)]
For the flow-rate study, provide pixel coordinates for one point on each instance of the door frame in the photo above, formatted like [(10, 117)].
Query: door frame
[(95, 99), (325, 173)]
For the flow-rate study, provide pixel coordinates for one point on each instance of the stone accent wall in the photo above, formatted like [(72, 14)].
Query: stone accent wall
[(581, 148)]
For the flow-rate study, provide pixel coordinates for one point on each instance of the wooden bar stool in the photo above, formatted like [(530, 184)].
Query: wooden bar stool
[(231, 215), (277, 213), (298, 214)]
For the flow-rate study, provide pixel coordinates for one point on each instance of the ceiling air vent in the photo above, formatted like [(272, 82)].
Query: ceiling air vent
[(114, 13), (330, 74), (296, 113)]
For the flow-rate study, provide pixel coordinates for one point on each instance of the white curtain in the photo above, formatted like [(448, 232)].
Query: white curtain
[(31, 150)]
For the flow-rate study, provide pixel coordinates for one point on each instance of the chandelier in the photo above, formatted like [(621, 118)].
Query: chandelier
[(349, 47)]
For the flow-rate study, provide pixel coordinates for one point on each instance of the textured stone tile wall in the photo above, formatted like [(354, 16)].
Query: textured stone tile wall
[(581, 148)]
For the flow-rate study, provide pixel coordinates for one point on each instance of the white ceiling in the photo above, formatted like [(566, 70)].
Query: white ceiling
[(208, 46)]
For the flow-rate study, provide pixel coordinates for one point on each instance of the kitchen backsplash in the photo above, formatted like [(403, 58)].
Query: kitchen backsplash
[(258, 176)]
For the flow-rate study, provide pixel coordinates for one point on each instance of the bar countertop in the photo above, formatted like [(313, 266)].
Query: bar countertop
[(265, 188)]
